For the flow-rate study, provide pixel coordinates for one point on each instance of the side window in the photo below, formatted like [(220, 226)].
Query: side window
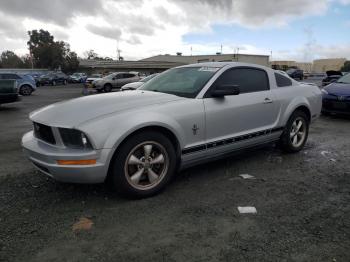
[(247, 79), (282, 81), (10, 76)]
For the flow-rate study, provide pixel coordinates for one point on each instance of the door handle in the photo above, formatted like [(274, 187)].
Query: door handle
[(268, 100)]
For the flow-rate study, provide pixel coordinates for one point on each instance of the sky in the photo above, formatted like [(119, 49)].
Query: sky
[(300, 30)]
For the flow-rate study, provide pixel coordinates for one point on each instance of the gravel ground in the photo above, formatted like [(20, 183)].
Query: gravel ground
[(302, 202)]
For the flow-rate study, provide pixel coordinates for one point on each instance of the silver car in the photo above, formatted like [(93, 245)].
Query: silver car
[(115, 81), (137, 140)]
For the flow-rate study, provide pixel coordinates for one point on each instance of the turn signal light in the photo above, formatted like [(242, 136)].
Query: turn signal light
[(77, 162)]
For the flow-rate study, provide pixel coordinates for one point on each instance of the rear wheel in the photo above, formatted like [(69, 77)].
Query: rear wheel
[(143, 165), (107, 88), (295, 133), (26, 90)]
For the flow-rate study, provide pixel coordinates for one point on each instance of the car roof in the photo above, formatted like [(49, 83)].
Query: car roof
[(225, 64)]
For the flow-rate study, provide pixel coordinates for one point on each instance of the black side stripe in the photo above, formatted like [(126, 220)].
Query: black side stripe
[(228, 141)]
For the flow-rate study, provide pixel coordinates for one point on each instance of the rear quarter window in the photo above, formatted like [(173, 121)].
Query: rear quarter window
[(282, 81)]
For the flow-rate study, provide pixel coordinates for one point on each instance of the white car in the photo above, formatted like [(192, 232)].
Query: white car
[(137, 140), (135, 85)]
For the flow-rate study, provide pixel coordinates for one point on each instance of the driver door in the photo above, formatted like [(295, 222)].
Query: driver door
[(236, 121)]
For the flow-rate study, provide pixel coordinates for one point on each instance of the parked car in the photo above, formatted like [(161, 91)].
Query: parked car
[(331, 76), (36, 77), (25, 83), (92, 78), (115, 80), (8, 91), (188, 115), (295, 73), (78, 78), (53, 79), (336, 96), (135, 85)]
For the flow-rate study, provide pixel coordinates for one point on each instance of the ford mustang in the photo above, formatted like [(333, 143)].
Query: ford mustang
[(137, 140)]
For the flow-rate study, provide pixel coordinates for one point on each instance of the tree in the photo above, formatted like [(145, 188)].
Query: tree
[(9, 59), (51, 54), (90, 54), (346, 67), (71, 63)]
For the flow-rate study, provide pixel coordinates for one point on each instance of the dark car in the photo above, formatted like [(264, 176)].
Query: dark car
[(336, 96), (53, 79), (331, 76), (8, 91), (295, 73)]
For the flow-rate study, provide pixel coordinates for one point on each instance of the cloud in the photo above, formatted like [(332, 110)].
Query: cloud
[(150, 27), (53, 11), (107, 32)]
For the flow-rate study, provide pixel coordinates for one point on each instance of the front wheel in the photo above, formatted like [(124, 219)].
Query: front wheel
[(295, 133), (107, 88), (26, 90), (143, 165)]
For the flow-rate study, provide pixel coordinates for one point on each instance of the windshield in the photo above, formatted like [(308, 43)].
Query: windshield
[(96, 76), (110, 76), (290, 71), (146, 79), (345, 79), (184, 81)]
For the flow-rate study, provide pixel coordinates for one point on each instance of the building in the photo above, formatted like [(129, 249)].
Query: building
[(318, 66), (283, 65), (323, 65), (161, 63), (146, 67), (23, 71), (245, 58)]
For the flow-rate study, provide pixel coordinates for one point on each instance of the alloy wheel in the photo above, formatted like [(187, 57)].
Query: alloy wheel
[(146, 165), (298, 132)]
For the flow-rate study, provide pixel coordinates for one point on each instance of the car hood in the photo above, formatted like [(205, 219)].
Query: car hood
[(74, 112), (338, 89)]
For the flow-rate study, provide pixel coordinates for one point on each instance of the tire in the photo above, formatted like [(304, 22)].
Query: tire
[(107, 88), (26, 90), (134, 177), (294, 137)]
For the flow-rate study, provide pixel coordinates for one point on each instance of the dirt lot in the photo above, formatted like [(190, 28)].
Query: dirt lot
[(302, 202)]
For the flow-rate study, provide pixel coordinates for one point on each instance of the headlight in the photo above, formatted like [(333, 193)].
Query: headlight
[(75, 139), (324, 92)]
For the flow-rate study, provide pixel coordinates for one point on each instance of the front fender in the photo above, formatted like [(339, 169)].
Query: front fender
[(109, 132)]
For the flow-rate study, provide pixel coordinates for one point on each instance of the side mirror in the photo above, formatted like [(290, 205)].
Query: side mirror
[(225, 90)]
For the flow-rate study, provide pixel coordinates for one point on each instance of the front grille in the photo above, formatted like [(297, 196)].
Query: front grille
[(44, 133)]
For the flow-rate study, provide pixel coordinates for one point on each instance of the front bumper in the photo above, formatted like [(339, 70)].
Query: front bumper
[(335, 106), (44, 157), (9, 98)]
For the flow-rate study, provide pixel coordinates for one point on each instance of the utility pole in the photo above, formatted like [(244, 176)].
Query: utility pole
[(271, 56), (221, 49), (118, 51)]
